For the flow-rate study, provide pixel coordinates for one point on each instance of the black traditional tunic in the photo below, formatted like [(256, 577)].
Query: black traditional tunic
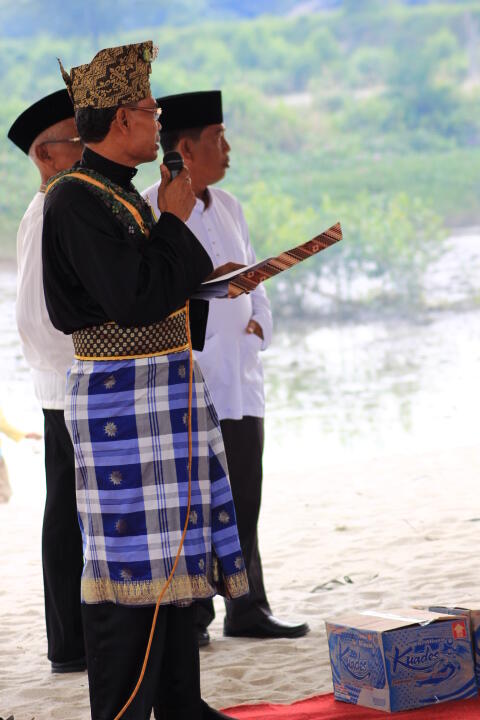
[(95, 270), (132, 424)]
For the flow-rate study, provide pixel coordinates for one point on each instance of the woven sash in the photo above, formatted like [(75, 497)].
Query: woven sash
[(107, 192), (113, 342)]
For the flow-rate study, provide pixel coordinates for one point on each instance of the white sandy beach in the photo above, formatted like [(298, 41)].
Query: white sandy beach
[(377, 533), (371, 487)]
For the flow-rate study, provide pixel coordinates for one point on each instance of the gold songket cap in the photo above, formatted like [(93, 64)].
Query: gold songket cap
[(115, 76)]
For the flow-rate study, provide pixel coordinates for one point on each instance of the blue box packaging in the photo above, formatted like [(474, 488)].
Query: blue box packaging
[(400, 660), (472, 611)]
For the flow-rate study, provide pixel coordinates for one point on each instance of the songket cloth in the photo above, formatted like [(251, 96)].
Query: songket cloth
[(128, 420)]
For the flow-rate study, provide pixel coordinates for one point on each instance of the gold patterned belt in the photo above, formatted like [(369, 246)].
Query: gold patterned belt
[(113, 342)]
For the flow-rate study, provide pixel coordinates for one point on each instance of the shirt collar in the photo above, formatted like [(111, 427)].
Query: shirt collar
[(119, 174), (200, 206)]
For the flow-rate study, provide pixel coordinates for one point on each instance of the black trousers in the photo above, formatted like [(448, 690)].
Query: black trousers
[(243, 440), (62, 555), (116, 637)]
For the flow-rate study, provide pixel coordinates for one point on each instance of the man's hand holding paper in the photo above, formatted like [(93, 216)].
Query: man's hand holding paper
[(224, 270)]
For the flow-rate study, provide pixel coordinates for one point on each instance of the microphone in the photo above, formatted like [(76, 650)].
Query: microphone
[(174, 162)]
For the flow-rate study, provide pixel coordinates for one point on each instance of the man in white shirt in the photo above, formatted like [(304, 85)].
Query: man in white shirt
[(237, 329), (46, 132)]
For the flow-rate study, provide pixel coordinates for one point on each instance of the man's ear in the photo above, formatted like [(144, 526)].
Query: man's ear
[(185, 148), (122, 120), (41, 152)]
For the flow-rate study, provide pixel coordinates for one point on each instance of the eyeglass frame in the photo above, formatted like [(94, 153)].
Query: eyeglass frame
[(72, 140), (156, 111)]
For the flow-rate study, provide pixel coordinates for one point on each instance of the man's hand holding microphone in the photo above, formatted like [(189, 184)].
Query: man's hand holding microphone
[(175, 194)]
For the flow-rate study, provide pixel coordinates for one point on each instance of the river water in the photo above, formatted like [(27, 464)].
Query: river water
[(342, 390)]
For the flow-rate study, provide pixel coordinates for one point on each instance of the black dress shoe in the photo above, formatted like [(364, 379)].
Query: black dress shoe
[(209, 713), (268, 627), (69, 666), (202, 636)]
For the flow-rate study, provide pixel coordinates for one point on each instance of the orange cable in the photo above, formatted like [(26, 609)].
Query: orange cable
[(169, 579)]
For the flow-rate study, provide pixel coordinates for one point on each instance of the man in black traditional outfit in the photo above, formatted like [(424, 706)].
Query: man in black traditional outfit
[(153, 494)]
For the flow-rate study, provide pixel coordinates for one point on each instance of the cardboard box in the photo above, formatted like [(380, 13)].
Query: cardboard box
[(401, 659), (472, 611)]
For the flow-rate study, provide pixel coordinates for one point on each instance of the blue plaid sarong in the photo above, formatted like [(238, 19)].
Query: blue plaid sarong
[(128, 420)]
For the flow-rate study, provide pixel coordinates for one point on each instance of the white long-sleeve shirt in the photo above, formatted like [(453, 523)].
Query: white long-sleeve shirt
[(230, 360), (48, 352)]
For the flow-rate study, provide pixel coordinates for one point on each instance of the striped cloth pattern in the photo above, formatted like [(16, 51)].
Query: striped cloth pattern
[(248, 281), (128, 420)]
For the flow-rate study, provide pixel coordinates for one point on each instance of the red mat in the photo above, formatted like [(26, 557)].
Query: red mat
[(324, 707)]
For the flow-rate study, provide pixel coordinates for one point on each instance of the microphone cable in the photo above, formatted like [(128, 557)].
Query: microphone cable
[(182, 539)]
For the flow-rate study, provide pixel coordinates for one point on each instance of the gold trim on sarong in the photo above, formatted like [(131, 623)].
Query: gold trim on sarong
[(169, 351), (182, 589)]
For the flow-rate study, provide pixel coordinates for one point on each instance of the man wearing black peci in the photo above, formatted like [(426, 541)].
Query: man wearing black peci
[(47, 134), (237, 330)]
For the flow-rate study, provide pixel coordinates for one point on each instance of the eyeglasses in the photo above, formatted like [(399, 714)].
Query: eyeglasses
[(156, 111), (72, 140)]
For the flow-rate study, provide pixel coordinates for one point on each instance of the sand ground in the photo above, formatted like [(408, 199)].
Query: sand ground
[(378, 533)]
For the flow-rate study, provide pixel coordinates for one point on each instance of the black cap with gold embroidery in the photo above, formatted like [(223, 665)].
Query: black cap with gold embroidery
[(46, 112), (191, 110), (115, 76)]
